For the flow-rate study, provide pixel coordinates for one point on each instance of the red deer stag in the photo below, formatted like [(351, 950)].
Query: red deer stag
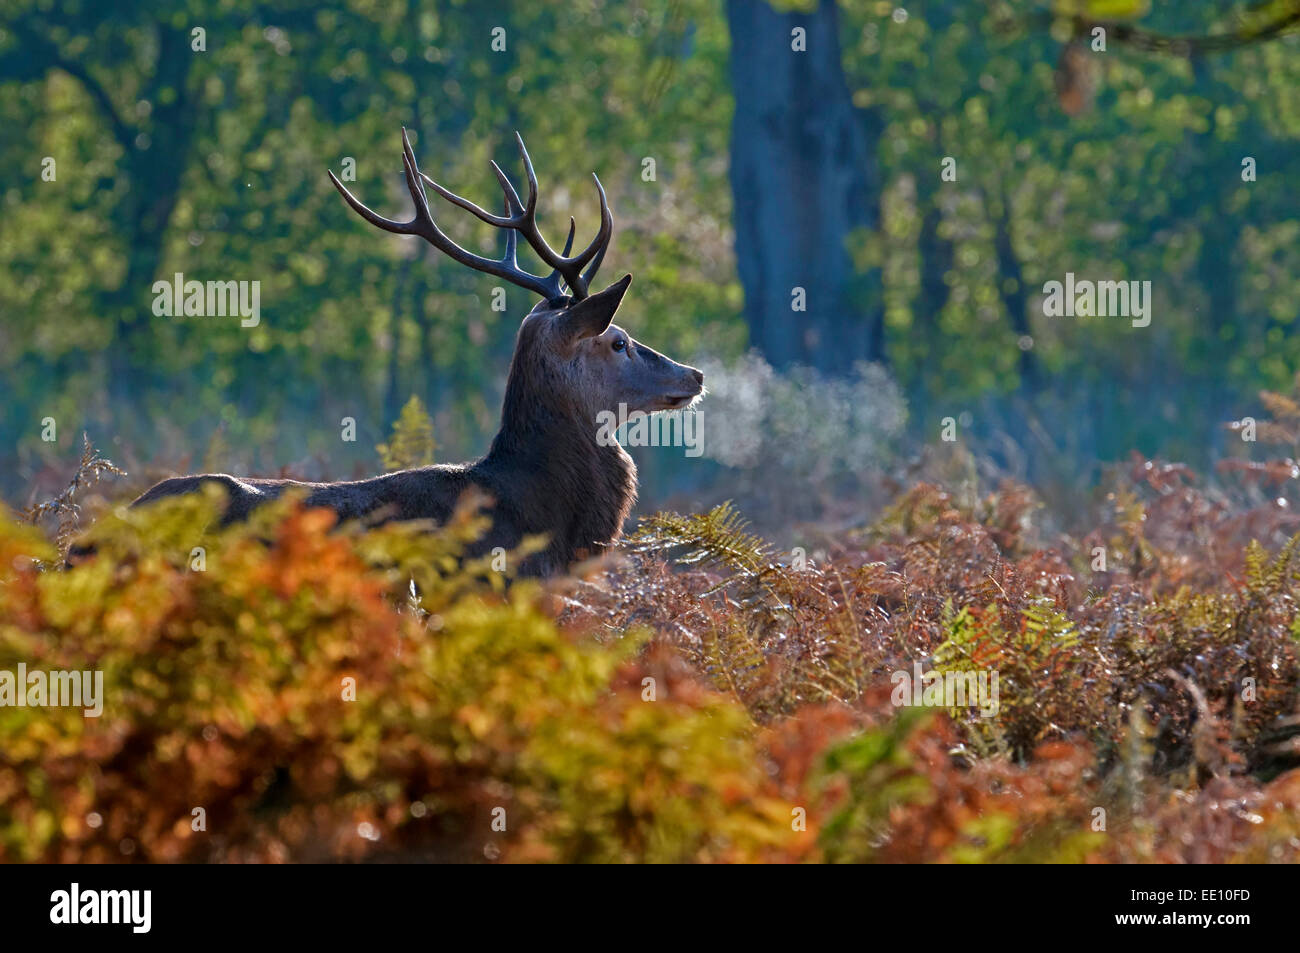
[(546, 472)]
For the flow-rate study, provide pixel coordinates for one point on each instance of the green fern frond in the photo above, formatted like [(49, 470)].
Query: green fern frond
[(732, 660), (1267, 578), (412, 443), (718, 537)]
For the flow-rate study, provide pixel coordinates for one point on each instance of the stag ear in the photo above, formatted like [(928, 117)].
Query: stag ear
[(591, 316)]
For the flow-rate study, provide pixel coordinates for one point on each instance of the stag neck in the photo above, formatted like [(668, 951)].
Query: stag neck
[(561, 474), (542, 434)]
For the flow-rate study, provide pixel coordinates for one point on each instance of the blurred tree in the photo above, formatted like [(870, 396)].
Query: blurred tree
[(1150, 183), (803, 176)]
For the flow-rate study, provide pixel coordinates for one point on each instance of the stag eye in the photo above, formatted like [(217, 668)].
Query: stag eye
[(620, 344)]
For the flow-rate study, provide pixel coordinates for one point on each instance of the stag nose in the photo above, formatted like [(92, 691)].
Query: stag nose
[(698, 375)]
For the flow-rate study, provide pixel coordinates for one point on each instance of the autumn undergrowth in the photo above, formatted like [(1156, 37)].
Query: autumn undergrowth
[(291, 690)]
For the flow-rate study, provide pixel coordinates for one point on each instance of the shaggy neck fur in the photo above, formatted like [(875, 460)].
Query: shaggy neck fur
[(554, 476)]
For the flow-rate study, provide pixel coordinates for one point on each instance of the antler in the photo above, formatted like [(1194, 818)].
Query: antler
[(520, 219)]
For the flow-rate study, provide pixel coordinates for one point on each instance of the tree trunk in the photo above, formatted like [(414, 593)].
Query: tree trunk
[(804, 175), (1015, 296)]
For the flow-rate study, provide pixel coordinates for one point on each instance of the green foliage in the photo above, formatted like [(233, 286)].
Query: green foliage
[(1030, 114), (1042, 651), (875, 764), (718, 537), (412, 443)]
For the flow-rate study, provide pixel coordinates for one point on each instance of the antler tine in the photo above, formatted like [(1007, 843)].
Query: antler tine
[(606, 233), (595, 264), (512, 242), (512, 197), (423, 217), (388, 225), (568, 245), (510, 220)]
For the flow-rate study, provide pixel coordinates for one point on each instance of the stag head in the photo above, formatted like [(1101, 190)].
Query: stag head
[(567, 343)]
